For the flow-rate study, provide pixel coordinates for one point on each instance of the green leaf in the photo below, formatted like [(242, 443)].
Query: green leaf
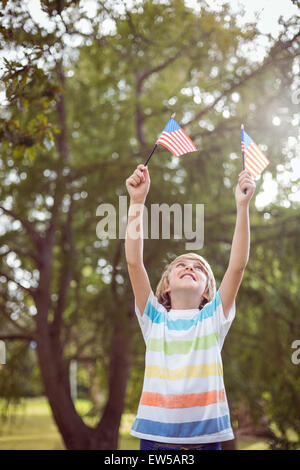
[(30, 153)]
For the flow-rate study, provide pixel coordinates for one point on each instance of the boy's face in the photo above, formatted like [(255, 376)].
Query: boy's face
[(187, 274)]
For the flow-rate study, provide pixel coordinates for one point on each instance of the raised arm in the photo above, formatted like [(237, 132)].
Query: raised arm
[(240, 244), (137, 185)]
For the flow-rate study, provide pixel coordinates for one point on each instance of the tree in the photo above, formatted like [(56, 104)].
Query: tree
[(77, 120)]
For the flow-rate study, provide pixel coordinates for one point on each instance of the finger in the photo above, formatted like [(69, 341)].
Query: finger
[(141, 176), (133, 181), (139, 173), (245, 172), (249, 182), (141, 167), (248, 185), (245, 184), (144, 171), (136, 178), (245, 178)]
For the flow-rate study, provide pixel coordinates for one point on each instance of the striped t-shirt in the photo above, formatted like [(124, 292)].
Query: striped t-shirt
[(183, 398)]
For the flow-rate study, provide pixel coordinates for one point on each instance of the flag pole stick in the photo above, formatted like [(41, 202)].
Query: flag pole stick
[(154, 148), (242, 140), (152, 152), (243, 153)]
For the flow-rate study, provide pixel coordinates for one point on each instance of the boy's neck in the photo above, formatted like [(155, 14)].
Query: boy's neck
[(185, 301)]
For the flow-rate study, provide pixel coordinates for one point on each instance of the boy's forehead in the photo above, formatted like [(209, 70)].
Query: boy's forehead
[(187, 258)]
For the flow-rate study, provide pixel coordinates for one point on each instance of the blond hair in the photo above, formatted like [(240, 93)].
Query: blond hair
[(164, 297)]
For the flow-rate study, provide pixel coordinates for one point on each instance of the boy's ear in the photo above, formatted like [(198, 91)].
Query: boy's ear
[(167, 290), (205, 295)]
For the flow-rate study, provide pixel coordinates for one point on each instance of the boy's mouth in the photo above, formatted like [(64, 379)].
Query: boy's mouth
[(188, 274)]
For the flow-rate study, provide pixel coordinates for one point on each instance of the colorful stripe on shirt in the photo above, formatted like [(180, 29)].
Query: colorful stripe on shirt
[(182, 346), (157, 316), (186, 400), (180, 430), (188, 372)]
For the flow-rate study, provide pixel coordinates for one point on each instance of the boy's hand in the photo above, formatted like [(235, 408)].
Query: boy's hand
[(247, 183), (138, 184)]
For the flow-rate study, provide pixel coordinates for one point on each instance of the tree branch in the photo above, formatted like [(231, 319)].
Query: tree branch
[(16, 337), (163, 65), (233, 85), (22, 253), (140, 78), (13, 322), (28, 290), (94, 358), (28, 226)]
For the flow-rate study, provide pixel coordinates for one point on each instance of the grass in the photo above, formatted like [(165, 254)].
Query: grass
[(31, 427)]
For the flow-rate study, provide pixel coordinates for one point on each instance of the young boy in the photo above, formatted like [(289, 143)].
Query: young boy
[(183, 403)]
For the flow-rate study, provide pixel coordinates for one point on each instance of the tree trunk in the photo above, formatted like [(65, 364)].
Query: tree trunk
[(229, 445), (54, 369), (55, 374), (107, 432)]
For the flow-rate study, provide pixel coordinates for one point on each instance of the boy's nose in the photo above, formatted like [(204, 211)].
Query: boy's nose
[(190, 268)]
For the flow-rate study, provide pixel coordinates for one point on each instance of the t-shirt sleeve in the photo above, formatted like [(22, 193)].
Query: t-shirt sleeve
[(154, 313), (222, 324)]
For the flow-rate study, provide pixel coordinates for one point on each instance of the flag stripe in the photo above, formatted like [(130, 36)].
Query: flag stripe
[(252, 152), (165, 142), (259, 152), (169, 144), (252, 159), (186, 400), (189, 139), (254, 172), (178, 139), (255, 161), (249, 165), (175, 139), (183, 140)]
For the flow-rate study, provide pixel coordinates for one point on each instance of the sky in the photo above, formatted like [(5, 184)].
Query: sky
[(268, 12)]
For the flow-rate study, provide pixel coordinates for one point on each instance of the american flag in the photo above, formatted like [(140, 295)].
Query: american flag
[(175, 139), (255, 161)]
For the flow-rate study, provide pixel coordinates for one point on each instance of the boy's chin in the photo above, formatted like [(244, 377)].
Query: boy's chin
[(184, 289)]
